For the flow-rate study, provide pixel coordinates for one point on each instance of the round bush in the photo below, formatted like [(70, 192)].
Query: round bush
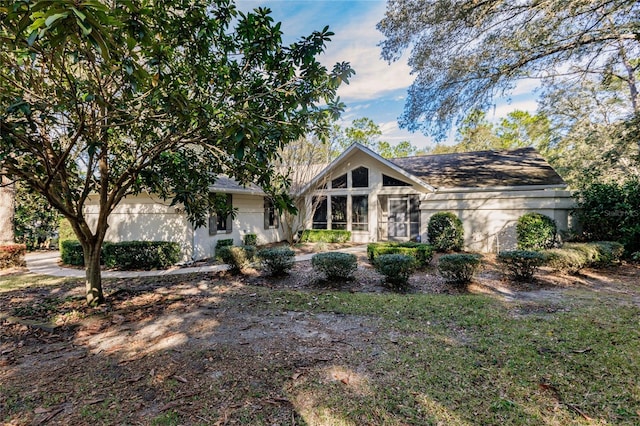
[(536, 231), (445, 232), (277, 260), (396, 269), (521, 264), (335, 266), (459, 268)]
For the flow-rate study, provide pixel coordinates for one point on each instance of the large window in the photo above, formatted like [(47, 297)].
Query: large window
[(360, 177), (339, 212), (391, 181), (339, 182), (360, 213), (319, 212), (220, 219)]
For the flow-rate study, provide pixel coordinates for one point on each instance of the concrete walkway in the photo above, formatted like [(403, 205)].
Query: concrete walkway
[(47, 263)]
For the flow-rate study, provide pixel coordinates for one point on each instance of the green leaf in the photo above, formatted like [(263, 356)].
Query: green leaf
[(55, 17)]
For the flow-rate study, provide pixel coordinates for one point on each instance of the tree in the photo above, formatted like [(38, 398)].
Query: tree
[(367, 133), (300, 161), (465, 52), (517, 130), (35, 222), (7, 203), (591, 139), (105, 99)]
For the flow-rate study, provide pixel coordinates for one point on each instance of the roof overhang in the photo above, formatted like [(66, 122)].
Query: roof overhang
[(357, 147)]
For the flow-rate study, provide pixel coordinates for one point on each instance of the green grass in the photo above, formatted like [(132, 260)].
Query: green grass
[(15, 282), (476, 360), (429, 359)]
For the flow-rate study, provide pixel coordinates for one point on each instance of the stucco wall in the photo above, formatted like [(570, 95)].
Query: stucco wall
[(489, 218), (148, 218), (249, 220), (145, 218)]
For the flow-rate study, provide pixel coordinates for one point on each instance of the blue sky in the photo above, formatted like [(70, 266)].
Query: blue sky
[(378, 90)]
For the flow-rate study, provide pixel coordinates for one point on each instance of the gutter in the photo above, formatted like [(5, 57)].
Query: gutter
[(559, 187)]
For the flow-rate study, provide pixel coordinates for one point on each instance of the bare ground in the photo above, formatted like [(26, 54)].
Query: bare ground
[(209, 349)]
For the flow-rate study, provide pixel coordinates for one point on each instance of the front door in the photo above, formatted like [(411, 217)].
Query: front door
[(398, 225)]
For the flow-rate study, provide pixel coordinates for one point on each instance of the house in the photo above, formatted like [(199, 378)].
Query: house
[(377, 199), (380, 199), (146, 217)]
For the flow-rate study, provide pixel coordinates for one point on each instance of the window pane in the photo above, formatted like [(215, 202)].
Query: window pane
[(360, 213), (339, 212), (391, 181), (360, 177), (319, 213), (339, 182)]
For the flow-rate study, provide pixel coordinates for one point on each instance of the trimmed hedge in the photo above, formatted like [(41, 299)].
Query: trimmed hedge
[(12, 255), (445, 232), (536, 231), (459, 268), (277, 260), (237, 258), (226, 242), (250, 240), (422, 253), (335, 265), (126, 254), (521, 264), (325, 236), (71, 253), (574, 256), (397, 269), (140, 254)]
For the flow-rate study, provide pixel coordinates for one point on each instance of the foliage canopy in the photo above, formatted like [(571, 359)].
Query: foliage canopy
[(103, 99), (465, 52)]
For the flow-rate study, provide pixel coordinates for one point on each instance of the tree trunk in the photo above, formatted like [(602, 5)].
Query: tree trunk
[(7, 210), (93, 282)]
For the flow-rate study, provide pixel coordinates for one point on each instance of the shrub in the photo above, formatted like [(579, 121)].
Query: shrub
[(609, 212), (277, 260), (459, 268), (250, 240), (335, 266), (421, 252), (574, 256), (71, 253), (396, 268), (610, 252), (445, 232), (521, 264), (536, 231), (226, 242), (325, 236), (565, 259), (140, 254), (237, 258), (12, 255)]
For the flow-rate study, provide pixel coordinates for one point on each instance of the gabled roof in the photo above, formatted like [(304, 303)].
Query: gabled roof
[(482, 169), (357, 147)]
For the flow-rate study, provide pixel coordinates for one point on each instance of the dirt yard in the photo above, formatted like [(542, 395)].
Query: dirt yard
[(210, 349)]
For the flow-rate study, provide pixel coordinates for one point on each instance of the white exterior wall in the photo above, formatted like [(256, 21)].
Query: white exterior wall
[(148, 218), (249, 220), (489, 218), (145, 218)]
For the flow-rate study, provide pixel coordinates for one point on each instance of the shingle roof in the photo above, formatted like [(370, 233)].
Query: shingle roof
[(481, 169), (227, 185)]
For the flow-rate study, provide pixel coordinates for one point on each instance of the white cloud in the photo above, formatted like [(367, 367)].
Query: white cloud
[(356, 41), (503, 109)]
